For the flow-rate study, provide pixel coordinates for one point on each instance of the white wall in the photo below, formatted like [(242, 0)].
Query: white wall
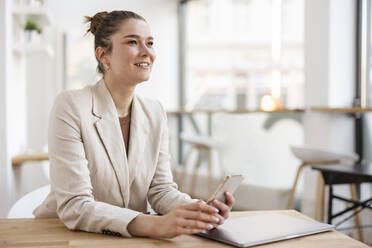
[(329, 79), (4, 163), (13, 116), (342, 47)]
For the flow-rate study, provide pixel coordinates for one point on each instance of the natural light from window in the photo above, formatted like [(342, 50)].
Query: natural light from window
[(241, 50)]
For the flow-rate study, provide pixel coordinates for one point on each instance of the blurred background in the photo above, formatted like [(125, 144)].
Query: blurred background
[(245, 83)]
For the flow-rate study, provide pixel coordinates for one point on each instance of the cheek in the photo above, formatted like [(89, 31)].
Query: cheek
[(125, 55), (153, 55), (123, 63), (129, 53)]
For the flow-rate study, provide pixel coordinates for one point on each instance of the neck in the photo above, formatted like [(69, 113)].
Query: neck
[(122, 94)]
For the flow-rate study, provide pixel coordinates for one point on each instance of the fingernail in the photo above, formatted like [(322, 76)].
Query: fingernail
[(217, 220), (210, 226), (216, 210)]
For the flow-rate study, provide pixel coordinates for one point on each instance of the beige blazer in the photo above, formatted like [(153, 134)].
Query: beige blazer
[(95, 187)]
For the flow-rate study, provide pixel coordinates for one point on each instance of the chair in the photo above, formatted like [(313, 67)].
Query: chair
[(24, 207), (199, 144), (313, 155)]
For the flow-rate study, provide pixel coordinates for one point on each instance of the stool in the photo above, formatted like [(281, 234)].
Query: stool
[(347, 174), (199, 144), (312, 155)]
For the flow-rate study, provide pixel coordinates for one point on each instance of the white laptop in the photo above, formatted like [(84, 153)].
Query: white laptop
[(263, 228)]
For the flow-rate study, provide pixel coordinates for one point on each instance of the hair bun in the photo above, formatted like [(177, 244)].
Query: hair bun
[(95, 21)]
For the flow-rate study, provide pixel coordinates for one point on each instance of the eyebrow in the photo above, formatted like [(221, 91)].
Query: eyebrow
[(136, 36)]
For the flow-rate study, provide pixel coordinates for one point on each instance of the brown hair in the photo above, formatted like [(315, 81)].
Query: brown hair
[(103, 25)]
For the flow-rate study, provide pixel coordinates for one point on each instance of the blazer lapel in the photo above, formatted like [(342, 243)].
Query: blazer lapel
[(137, 139), (108, 128)]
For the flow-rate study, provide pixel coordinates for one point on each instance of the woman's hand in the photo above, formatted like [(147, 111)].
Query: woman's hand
[(185, 219), (225, 208)]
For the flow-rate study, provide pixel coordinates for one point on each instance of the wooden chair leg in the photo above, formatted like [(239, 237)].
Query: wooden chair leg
[(354, 196), (293, 190), (319, 202)]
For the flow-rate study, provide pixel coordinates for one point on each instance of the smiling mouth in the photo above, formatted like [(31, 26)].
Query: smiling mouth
[(143, 65)]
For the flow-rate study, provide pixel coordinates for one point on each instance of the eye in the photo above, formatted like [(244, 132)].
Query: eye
[(150, 43), (133, 42)]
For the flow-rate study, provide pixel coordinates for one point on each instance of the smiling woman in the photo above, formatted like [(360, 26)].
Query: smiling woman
[(108, 147), (131, 40)]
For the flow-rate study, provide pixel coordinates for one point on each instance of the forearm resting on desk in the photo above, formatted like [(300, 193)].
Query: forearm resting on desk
[(185, 219), (143, 225)]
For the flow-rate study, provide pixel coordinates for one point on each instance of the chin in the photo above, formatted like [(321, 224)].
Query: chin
[(143, 79)]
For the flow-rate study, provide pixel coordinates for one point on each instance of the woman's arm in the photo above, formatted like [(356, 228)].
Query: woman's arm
[(185, 219)]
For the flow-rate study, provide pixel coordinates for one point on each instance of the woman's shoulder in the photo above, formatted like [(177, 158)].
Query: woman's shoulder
[(73, 100), (152, 110), (76, 96), (150, 105)]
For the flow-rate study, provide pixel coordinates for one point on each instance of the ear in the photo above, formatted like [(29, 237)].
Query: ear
[(102, 56)]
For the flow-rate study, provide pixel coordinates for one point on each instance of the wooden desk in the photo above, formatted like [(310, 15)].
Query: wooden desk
[(52, 233)]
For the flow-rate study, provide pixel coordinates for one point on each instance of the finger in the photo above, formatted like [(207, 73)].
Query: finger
[(230, 199), (201, 206), (184, 230), (221, 218), (221, 206), (202, 216), (194, 224)]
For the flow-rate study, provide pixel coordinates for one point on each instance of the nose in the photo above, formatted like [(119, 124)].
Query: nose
[(147, 51)]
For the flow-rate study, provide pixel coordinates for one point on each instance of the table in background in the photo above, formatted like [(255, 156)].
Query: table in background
[(345, 174), (29, 157), (52, 233)]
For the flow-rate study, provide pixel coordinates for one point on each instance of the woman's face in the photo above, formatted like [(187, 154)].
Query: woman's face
[(132, 53)]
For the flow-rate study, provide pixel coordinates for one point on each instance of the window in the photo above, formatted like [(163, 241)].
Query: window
[(237, 51)]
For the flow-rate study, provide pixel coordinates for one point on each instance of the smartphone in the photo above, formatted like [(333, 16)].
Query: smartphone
[(229, 184)]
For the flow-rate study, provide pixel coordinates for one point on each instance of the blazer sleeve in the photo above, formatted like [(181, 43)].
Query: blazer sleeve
[(70, 179), (163, 194)]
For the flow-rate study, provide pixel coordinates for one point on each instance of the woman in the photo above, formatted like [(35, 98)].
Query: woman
[(108, 147)]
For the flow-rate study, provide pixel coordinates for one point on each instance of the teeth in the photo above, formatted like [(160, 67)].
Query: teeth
[(142, 64)]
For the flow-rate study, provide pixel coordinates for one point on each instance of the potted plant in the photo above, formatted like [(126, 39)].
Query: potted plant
[(32, 31)]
